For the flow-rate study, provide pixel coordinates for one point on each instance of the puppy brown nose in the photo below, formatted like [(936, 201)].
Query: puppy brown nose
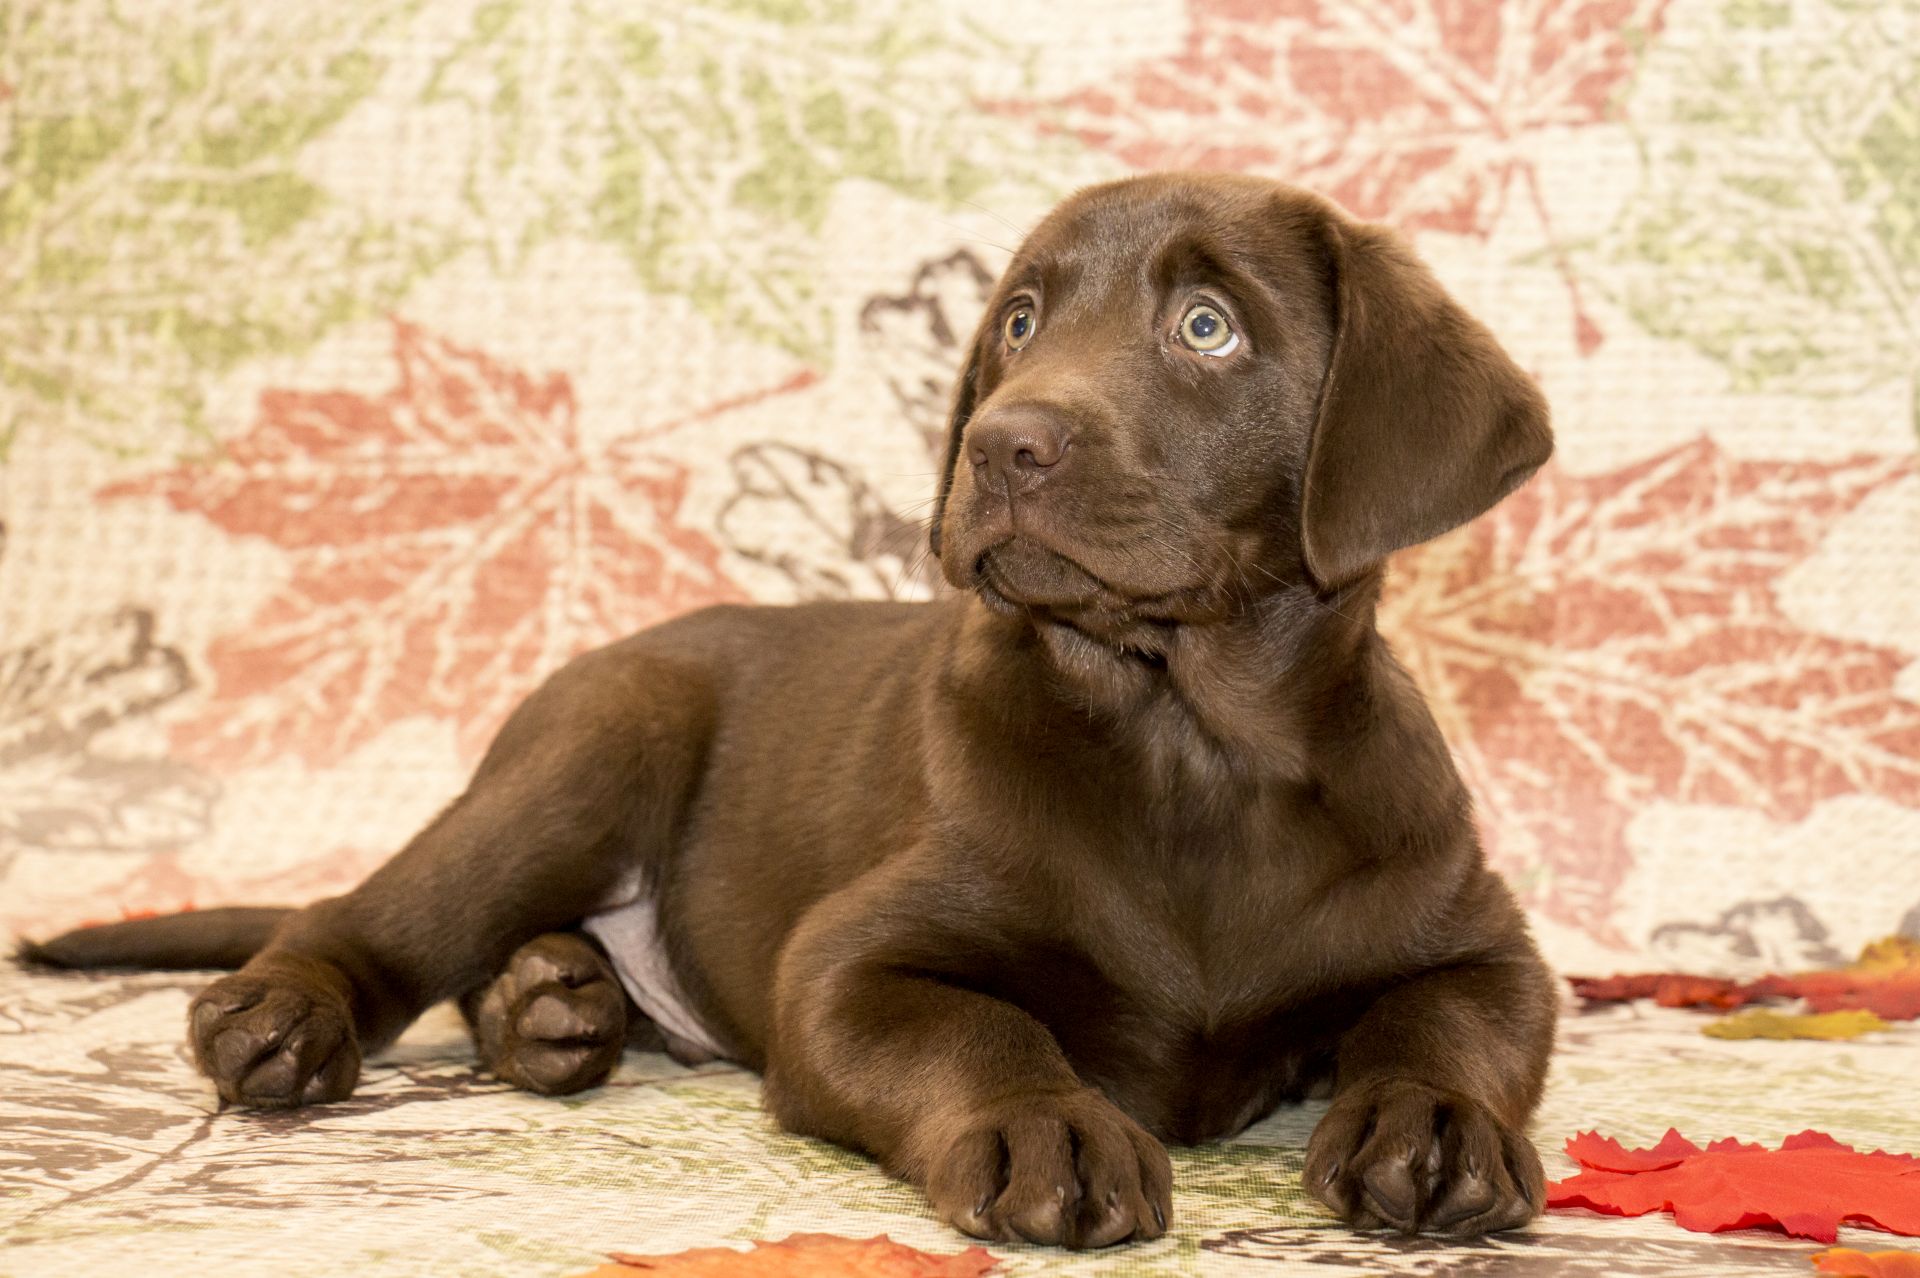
[(1014, 449)]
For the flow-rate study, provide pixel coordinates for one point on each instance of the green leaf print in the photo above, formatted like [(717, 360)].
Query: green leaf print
[(155, 227), (706, 139), (1777, 227)]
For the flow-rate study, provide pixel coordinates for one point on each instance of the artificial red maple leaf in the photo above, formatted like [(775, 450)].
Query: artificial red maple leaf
[(1601, 642), (1668, 989), (450, 542), (1885, 981), (1807, 1187), (805, 1256), (1416, 112)]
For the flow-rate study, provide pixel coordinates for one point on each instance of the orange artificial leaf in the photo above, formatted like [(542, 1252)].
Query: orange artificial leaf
[(1885, 980), (1807, 1187), (804, 1256), (1761, 1023), (1848, 1263)]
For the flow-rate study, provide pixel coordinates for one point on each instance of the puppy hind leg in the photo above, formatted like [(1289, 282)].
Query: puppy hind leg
[(554, 1021), (586, 782)]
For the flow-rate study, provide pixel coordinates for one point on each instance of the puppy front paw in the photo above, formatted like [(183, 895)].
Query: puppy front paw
[(1070, 1170), (1402, 1155), (274, 1042)]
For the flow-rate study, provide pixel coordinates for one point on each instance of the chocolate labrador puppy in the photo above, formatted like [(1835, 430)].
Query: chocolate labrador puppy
[(1138, 834)]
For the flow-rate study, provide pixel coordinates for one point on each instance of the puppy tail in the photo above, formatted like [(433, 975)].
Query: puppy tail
[(222, 938)]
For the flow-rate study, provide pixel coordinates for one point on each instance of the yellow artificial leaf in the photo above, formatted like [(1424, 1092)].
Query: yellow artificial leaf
[(1760, 1023), (1888, 955)]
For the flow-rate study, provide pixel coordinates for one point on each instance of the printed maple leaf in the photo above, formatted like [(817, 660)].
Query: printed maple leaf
[(1774, 935), (156, 226), (65, 787), (1599, 643), (1421, 113), (822, 527), (1776, 225), (706, 138), (449, 542), (914, 338)]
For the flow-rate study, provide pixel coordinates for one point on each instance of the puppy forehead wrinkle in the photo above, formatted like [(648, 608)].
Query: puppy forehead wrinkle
[(1188, 260), (1151, 236)]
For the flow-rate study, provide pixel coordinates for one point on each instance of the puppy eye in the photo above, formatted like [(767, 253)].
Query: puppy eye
[(1019, 328), (1204, 329)]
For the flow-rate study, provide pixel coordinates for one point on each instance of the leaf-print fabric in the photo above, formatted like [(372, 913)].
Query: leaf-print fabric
[(450, 542), (1605, 640), (359, 364)]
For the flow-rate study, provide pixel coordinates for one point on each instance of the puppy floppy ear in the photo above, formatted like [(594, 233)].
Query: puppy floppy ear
[(1424, 421), (965, 395)]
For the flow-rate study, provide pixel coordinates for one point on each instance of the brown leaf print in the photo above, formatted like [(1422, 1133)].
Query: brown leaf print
[(450, 542), (1602, 642), (1778, 934), (1422, 113), (823, 527), (914, 337), (68, 785)]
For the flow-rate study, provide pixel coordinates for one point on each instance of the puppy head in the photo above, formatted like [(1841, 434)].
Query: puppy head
[(1188, 390)]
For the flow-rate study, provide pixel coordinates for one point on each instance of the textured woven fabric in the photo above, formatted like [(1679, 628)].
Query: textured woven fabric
[(113, 1151), (361, 362)]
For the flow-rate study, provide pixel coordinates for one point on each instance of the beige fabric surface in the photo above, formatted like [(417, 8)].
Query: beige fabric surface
[(359, 363)]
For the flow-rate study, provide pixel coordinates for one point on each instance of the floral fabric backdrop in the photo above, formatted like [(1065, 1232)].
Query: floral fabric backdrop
[(361, 362)]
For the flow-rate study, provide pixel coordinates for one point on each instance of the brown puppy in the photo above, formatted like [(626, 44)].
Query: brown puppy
[(1141, 833)]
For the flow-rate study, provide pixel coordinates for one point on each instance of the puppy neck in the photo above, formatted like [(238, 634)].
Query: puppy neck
[(1248, 681), (1258, 681)]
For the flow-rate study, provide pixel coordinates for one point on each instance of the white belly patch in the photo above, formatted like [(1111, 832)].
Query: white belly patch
[(631, 935)]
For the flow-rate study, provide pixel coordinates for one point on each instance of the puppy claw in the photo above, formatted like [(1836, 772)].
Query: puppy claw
[(1475, 1175), (553, 1021), (274, 1041), (1066, 1170)]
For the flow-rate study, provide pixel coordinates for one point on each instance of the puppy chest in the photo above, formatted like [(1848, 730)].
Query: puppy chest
[(1189, 1082), (1180, 1069)]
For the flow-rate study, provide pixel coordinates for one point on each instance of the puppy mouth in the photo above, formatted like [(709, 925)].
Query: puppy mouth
[(1021, 574)]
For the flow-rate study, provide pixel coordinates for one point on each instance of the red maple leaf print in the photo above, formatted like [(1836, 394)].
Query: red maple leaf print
[(1421, 113), (451, 542), (1599, 643)]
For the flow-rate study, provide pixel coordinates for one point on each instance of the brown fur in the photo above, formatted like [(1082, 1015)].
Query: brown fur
[(1141, 833)]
